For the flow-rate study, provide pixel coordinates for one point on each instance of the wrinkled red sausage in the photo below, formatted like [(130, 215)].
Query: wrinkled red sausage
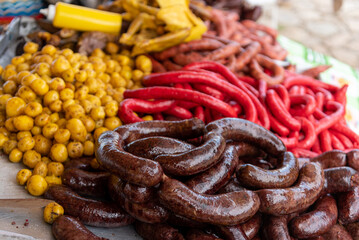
[(296, 198), (348, 206), (315, 223), (224, 209), (69, 228), (157, 231), (284, 176)]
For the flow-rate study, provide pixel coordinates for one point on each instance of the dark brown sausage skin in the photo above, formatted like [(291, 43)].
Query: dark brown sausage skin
[(151, 147), (348, 206), (330, 159), (340, 179), (337, 232), (231, 232), (180, 221), (141, 171), (284, 176), (69, 228), (196, 234), (224, 209), (86, 183), (353, 159), (157, 231), (90, 212), (115, 189), (242, 130), (138, 194), (252, 226), (217, 176), (196, 160), (353, 229), (275, 228), (304, 193), (232, 186), (315, 223), (80, 163)]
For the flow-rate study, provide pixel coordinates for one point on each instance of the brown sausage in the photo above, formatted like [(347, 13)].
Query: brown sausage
[(242, 130), (141, 171), (196, 160), (337, 232), (196, 234), (296, 198), (231, 232), (157, 231), (151, 147), (353, 229), (247, 54), (214, 178), (340, 179), (255, 68), (275, 228), (180, 221), (224, 209), (80, 163), (353, 159), (232, 186), (315, 223), (138, 194), (348, 206), (302, 161), (330, 159), (86, 183), (90, 212), (252, 226), (284, 176), (69, 228), (115, 189)]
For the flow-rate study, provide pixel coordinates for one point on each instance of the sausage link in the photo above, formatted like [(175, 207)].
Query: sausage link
[(151, 147), (340, 179), (157, 231), (115, 189), (80, 163), (69, 228), (180, 221), (252, 226), (348, 206), (90, 212), (138, 194), (275, 228), (231, 232), (315, 223), (293, 199), (284, 176), (217, 176), (196, 234), (224, 209), (86, 183), (242, 130), (330, 159), (196, 160), (353, 159), (337, 232), (353, 229)]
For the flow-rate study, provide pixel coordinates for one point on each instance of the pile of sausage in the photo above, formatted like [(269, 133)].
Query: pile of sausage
[(229, 179)]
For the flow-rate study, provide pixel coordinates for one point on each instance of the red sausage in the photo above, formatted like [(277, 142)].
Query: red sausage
[(348, 206), (157, 231), (224, 209), (315, 223), (296, 198), (90, 212), (69, 228)]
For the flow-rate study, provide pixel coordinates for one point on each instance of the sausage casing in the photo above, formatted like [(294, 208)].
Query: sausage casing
[(159, 231), (348, 206)]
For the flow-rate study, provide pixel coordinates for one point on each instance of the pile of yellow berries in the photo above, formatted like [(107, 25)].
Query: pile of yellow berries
[(55, 103)]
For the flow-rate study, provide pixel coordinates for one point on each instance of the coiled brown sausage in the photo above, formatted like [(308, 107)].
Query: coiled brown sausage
[(141, 171), (157, 231), (232, 186), (242, 130), (196, 160), (214, 178), (180, 221), (340, 179), (353, 229), (80, 163), (224, 209), (330, 159), (86, 183), (196, 234), (353, 159), (293, 199), (315, 223), (115, 189), (90, 212), (284, 176), (69, 228), (252, 226), (138, 194), (231, 232), (348, 206), (151, 147), (337, 232), (275, 228)]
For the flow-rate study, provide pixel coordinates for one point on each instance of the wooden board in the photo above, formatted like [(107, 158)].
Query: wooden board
[(13, 224)]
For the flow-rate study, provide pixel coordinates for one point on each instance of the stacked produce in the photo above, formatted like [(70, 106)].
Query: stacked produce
[(239, 182), (55, 103)]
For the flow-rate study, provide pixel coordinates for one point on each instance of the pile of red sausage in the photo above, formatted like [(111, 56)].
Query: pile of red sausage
[(229, 179)]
